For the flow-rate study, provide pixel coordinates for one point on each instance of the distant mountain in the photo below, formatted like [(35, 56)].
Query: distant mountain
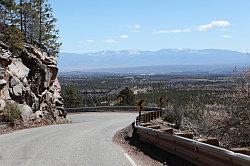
[(138, 60)]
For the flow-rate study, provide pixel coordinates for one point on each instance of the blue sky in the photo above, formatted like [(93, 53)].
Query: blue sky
[(96, 25)]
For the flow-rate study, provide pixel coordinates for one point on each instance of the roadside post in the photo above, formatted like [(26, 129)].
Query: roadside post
[(119, 100), (161, 102), (140, 108)]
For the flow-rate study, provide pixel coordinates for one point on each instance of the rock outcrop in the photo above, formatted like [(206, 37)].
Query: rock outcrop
[(30, 81)]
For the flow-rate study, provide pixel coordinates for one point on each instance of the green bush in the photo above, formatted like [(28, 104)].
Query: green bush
[(174, 115), (11, 114), (13, 37)]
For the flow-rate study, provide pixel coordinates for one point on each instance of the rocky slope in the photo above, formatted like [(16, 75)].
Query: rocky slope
[(29, 80)]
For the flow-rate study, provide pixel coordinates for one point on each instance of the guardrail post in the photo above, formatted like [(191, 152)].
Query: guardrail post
[(168, 130), (185, 134), (137, 120), (151, 116), (143, 119), (161, 113), (211, 141), (148, 117)]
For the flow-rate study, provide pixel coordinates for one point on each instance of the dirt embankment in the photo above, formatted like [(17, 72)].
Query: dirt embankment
[(5, 128)]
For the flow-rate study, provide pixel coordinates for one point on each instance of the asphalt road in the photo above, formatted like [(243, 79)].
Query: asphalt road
[(85, 142)]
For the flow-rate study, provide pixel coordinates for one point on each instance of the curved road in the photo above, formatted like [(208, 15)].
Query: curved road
[(85, 142)]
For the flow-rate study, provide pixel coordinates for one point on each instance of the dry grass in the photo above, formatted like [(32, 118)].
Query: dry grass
[(230, 123)]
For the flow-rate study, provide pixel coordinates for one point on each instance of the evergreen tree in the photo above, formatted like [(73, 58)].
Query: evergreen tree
[(127, 96), (72, 97), (10, 34), (8, 12), (13, 37), (35, 20), (47, 34)]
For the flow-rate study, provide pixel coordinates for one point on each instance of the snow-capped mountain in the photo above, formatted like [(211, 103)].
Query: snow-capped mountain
[(135, 58)]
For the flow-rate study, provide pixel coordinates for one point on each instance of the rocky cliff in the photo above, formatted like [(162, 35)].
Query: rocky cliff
[(29, 80)]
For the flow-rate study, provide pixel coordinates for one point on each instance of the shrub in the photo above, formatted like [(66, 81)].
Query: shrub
[(11, 114), (13, 37), (174, 115)]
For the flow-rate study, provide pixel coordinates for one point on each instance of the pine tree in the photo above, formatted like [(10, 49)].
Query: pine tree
[(128, 97), (35, 20), (72, 97), (11, 35), (8, 12), (49, 33), (46, 33)]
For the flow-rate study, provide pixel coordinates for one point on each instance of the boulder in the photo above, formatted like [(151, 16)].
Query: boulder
[(2, 104), (18, 69), (26, 111), (2, 82), (14, 81), (39, 114), (5, 54), (17, 90)]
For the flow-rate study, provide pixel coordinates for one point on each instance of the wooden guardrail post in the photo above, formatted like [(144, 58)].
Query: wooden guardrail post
[(137, 120), (154, 126), (144, 119), (148, 117), (161, 113), (158, 114), (185, 134), (168, 130), (210, 141), (151, 116)]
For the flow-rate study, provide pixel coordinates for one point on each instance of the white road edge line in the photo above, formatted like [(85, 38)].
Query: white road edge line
[(130, 159)]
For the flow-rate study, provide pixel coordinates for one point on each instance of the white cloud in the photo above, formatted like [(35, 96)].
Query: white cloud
[(227, 36), (124, 36), (173, 31), (135, 28), (111, 41), (89, 41), (214, 24)]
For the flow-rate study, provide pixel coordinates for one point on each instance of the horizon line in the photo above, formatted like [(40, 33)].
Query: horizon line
[(139, 50)]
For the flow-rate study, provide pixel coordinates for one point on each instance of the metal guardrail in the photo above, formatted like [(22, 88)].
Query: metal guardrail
[(196, 152), (107, 108)]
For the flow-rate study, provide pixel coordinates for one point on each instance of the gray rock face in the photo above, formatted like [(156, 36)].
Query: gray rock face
[(2, 82), (2, 104), (30, 79), (26, 112)]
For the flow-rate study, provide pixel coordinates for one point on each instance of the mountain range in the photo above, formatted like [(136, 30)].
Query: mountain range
[(162, 60)]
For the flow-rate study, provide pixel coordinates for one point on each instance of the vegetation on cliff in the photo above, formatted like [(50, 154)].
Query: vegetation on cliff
[(29, 21)]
